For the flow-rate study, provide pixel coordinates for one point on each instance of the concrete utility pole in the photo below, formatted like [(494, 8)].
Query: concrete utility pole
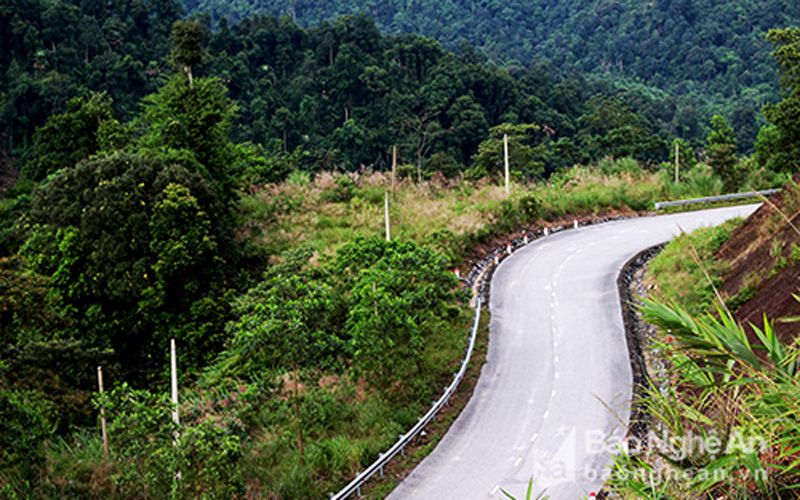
[(386, 216), (394, 168), (103, 427), (677, 163), (505, 149), (174, 380)]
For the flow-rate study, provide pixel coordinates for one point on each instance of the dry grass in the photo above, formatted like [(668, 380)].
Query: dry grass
[(333, 208)]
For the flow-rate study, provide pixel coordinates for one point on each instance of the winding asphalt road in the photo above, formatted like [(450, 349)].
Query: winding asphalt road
[(552, 400)]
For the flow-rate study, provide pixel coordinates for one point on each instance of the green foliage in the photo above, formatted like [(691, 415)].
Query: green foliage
[(283, 322), (27, 310), (778, 145), (182, 243), (398, 289), (681, 278), (524, 154), (721, 151), (114, 237), (342, 94), (686, 159), (61, 374), (25, 424), (187, 45), (612, 128), (699, 181), (528, 493), (682, 46), (196, 118), (728, 390), (53, 52), (141, 437), (85, 128)]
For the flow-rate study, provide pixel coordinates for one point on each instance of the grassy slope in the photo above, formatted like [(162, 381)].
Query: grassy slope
[(755, 265)]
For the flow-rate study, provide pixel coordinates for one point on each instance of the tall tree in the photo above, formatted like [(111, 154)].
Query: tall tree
[(136, 249), (778, 146), (86, 127), (194, 118), (721, 151), (187, 46)]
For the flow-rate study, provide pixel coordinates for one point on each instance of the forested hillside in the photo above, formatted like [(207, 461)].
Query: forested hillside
[(713, 48), (340, 94)]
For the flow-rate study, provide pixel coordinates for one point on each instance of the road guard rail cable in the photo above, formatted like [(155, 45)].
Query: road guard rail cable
[(716, 199), (478, 279)]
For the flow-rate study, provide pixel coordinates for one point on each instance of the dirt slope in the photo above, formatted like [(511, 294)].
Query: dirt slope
[(764, 255)]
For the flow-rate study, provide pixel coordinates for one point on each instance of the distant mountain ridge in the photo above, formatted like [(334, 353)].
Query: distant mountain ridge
[(705, 46)]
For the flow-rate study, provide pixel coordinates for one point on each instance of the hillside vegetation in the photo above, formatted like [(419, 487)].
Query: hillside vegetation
[(712, 49), (340, 94), (723, 404)]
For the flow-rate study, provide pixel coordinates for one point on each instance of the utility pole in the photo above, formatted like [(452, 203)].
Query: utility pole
[(174, 384), (386, 216), (505, 150), (103, 427), (677, 163), (394, 169)]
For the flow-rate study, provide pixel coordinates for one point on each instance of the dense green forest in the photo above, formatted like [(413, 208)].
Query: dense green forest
[(713, 49), (340, 93), (155, 173)]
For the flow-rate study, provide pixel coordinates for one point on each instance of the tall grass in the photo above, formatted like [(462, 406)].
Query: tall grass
[(728, 426), (331, 209)]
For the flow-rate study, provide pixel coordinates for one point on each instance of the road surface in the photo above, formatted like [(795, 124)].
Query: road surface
[(553, 398)]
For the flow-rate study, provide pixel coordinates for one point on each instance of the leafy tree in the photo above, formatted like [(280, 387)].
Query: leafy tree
[(61, 374), (187, 46), (612, 128), (85, 128), (287, 321), (114, 235), (27, 309), (468, 127), (721, 151), (195, 118), (399, 291), (779, 145), (686, 159), (527, 152), (25, 425)]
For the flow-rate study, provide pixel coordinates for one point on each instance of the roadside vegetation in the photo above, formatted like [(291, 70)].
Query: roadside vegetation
[(724, 420), (723, 401)]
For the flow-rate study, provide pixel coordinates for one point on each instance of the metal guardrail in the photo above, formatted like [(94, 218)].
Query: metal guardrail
[(377, 466), (714, 199)]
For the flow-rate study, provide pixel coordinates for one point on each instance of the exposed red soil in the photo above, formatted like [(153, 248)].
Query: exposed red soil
[(760, 253)]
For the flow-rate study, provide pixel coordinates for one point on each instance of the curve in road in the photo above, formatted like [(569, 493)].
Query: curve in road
[(553, 398)]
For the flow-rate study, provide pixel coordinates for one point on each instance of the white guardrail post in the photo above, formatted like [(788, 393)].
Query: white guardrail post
[(399, 447)]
